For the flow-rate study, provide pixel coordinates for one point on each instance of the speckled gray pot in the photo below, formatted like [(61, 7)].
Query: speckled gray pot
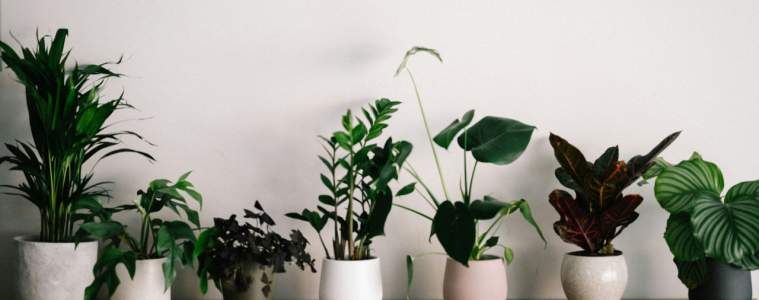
[(594, 277), (53, 271)]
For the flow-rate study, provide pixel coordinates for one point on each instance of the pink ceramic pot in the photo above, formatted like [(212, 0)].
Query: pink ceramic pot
[(483, 280)]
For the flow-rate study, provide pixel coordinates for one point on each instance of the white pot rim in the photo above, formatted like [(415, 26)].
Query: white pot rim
[(35, 239), (486, 258), (584, 254), (151, 259), (371, 258)]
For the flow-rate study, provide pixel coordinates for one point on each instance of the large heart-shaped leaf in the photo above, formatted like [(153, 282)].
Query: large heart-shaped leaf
[(677, 187), (728, 231), (497, 140), (574, 227), (445, 137), (456, 231), (490, 207), (679, 236)]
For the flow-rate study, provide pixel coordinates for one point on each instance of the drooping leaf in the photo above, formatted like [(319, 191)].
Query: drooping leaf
[(105, 271), (574, 227), (445, 137), (455, 229), (508, 254), (414, 51), (678, 186), (680, 238), (167, 238), (640, 164), (524, 208), (382, 205), (622, 214), (692, 273), (490, 207), (497, 140)]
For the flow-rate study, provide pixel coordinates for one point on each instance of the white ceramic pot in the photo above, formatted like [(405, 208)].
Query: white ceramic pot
[(484, 279), (253, 273), (594, 277), (351, 280), (53, 271), (148, 282)]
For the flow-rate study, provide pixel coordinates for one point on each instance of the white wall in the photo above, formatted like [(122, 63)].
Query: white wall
[(239, 90)]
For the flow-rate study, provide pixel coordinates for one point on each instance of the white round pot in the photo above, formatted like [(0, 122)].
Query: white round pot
[(148, 282), (484, 279), (53, 271), (253, 274), (593, 277), (351, 280)]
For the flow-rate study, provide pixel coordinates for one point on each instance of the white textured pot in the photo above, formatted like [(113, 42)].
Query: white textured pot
[(148, 282), (594, 277), (351, 280), (253, 273), (484, 279), (53, 271)]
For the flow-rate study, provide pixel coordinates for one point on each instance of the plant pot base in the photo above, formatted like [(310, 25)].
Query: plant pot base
[(726, 282)]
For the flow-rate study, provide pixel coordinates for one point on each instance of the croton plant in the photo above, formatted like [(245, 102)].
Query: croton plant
[(599, 212)]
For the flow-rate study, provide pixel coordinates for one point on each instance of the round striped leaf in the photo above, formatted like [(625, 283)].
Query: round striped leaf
[(678, 186), (749, 262), (728, 231), (679, 237)]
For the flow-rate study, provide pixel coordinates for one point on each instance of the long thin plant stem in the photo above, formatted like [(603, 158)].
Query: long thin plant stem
[(429, 135)]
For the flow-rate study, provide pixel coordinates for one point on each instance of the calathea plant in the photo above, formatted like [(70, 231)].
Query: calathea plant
[(359, 173), (704, 223), (599, 212), (67, 120), (174, 240), (494, 140), (223, 250)]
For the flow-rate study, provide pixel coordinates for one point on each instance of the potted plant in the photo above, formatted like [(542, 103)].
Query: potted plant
[(242, 259), (714, 238), (67, 120), (154, 254), (595, 216), (469, 273), (358, 177)]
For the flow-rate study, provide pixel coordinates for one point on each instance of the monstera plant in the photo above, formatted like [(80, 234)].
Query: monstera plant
[(704, 223), (599, 212), (493, 140)]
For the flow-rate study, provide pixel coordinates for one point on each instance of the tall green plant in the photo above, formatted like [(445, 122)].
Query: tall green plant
[(173, 240), (67, 120), (703, 223), (494, 140), (360, 180)]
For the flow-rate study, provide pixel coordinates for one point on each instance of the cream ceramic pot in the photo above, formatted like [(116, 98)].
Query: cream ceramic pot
[(351, 280), (484, 279), (53, 271), (148, 282), (593, 277), (254, 273)]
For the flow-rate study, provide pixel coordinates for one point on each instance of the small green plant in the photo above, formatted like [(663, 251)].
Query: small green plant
[(599, 212), (67, 120), (223, 250), (174, 240), (494, 140), (702, 222), (359, 173)]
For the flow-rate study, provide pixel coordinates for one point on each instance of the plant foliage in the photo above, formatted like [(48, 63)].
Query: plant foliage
[(223, 250), (703, 222), (599, 212), (67, 120), (174, 240), (359, 173)]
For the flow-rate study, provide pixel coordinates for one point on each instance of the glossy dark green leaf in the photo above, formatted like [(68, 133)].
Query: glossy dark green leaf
[(491, 242), (497, 140), (205, 241), (692, 273), (105, 271), (490, 207), (167, 239), (327, 182), (104, 230), (408, 189), (343, 139), (524, 207), (445, 137), (455, 229), (379, 212)]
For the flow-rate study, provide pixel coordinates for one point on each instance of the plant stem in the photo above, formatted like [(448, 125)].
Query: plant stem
[(429, 135), (324, 245), (351, 187), (471, 182)]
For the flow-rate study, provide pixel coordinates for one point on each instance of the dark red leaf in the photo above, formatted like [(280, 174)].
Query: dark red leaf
[(570, 158), (601, 191), (621, 214), (574, 227)]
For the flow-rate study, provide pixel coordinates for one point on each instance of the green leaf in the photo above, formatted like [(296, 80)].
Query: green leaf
[(414, 51), (105, 271), (445, 137), (378, 214), (316, 221), (456, 230), (205, 241), (327, 200), (678, 186), (692, 273), (408, 189), (343, 139), (168, 236), (659, 165), (728, 230), (524, 207), (508, 254), (497, 140), (327, 182), (104, 230), (359, 132), (410, 272), (680, 238), (490, 207), (492, 241)]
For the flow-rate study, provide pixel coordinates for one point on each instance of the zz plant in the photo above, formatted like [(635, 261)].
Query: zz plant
[(703, 222), (359, 173), (599, 212), (67, 120), (494, 140), (174, 240), (223, 250)]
